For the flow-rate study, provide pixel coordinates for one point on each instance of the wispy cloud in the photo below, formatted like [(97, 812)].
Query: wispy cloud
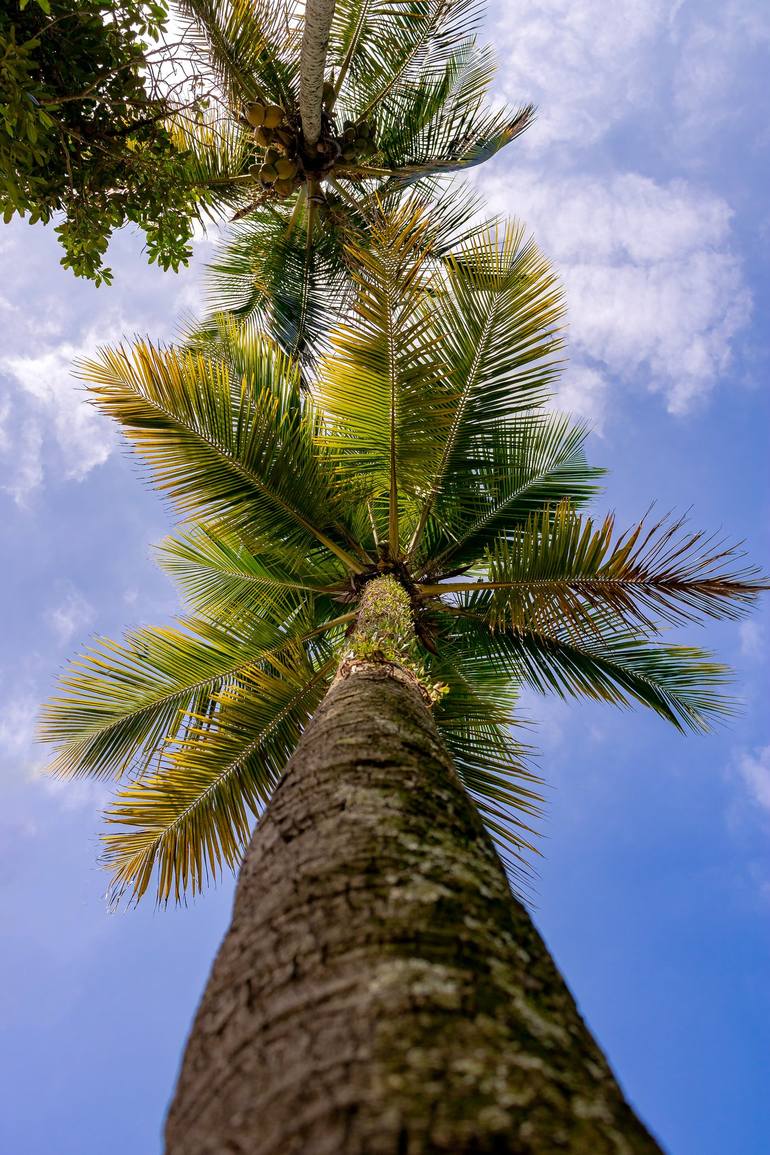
[(61, 414), (50, 428), (655, 293), (70, 615), (17, 727), (754, 770), (720, 56), (752, 640), (679, 72), (23, 454), (584, 64)]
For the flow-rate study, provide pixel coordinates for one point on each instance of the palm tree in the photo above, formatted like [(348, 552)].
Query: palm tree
[(375, 564), (323, 109)]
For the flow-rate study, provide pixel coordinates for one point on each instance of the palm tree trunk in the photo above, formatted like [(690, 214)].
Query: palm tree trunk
[(380, 991), (315, 40)]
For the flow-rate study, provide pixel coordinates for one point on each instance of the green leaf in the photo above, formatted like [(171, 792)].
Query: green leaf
[(191, 818), (562, 568), (507, 474), (683, 684), (223, 437)]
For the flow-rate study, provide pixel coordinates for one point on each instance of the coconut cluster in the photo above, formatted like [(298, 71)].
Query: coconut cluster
[(286, 163), (280, 167)]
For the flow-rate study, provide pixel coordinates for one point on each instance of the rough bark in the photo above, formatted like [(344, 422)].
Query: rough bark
[(380, 991), (315, 41)]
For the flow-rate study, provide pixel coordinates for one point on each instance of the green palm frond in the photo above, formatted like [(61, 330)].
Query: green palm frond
[(370, 42), (190, 818), (290, 274), (417, 446), (277, 274), (475, 717), (222, 575), (441, 125), (497, 316), (381, 48), (120, 701), (219, 152), (382, 388), (252, 46), (562, 568), (682, 684), (221, 443), (515, 469)]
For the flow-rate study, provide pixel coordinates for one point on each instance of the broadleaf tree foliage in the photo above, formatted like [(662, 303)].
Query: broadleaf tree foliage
[(421, 447), (167, 115), (86, 130)]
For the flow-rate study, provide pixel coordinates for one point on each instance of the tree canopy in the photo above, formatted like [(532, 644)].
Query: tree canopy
[(117, 113), (421, 447), (85, 132)]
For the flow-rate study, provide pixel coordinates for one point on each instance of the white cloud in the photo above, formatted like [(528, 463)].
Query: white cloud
[(53, 318), (752, 640), (653, 289), (677, 71), (77, 794), (582, 392), (71, 615), (84, 437), (585, 64), (714, 63), (26, 462), (23, 757), (754, 769), (5, 412), (17, 726)]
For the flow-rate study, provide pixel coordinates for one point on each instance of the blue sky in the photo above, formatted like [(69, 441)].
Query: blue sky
[(645, 181)]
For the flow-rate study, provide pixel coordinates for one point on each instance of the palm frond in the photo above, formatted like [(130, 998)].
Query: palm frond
[(381, 389), (497, 315), (562, 568), (220, 443), (512, 471), (682, 684), (386, 49), (270, 274), (119, 701), (219, 154), (252, 46), (441, 125), (191, 818), (223, 576), (475, 717)]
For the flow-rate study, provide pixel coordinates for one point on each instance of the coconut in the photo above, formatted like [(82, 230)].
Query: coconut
[(272, 156), (264, 137), (255, 114), (284, 188), (268, 174), (286, 168), (273, 115)]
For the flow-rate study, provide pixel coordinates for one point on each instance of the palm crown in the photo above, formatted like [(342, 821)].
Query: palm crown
[(404, 100), (421, 450)]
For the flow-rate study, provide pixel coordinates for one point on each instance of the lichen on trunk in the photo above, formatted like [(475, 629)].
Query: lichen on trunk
[(380, 990)]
